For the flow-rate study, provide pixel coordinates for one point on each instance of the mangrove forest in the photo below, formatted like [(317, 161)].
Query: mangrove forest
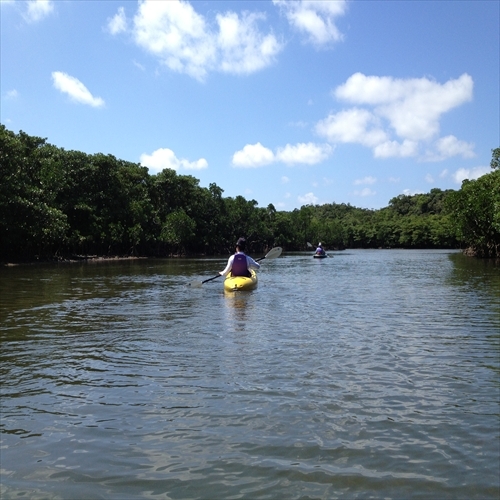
[(58, 204)]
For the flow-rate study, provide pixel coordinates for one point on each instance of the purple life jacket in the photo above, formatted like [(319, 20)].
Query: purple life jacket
[(240, 267)]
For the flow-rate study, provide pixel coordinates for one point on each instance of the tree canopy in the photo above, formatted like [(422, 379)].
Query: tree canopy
[(56, 203), (475, 211)]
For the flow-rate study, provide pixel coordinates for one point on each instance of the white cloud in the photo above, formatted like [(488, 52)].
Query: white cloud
[(411, 192), (365, 180), (308, 199), (118, 23), (309, 153), (38, 9), (409, 109), (242, 48), (315, 18), (429, 179), (444, 173), (176, 34), (395, 149), (75, 89), (165, 158), (470, 173), (186, 42), (11, 94), (449, 146), (365, 192), (352, 125), (285, 180), (257, 155), (395, 180), (253, 155)]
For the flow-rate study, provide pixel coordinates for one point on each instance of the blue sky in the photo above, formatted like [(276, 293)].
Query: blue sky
[(284, 102)]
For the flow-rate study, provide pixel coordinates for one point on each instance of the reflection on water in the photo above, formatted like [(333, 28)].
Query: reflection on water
[(238, 307), (369, 374)]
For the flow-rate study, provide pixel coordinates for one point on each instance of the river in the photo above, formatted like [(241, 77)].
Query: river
[(370, 374)]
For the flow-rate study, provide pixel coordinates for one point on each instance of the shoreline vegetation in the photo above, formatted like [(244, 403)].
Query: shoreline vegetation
[(69, 206), (74, 259), (97, 259)]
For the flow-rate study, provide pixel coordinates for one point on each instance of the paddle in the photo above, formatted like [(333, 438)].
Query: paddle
[(272, 254)]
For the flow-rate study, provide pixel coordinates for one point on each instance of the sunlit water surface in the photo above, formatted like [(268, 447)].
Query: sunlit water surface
[(372, 374)]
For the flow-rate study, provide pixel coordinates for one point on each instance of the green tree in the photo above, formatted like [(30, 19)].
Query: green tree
[(30, 224), (476, 212), (54, 201), (495, 160), (178, 230)]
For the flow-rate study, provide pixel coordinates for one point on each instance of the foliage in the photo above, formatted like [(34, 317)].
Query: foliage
[(30, 221), (476, 211), (60, 203), (495, 160)]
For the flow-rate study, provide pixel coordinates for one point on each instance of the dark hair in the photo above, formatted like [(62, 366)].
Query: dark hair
[(241, 243)]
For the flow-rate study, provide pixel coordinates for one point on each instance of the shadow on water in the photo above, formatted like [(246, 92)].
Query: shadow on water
[(476, 284), (481, 274)]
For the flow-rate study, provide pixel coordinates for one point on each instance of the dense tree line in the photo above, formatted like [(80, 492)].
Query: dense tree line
[(58, 203), (475, 210)]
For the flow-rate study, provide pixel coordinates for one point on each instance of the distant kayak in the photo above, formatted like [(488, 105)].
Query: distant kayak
[(320, 256), (240, 283)]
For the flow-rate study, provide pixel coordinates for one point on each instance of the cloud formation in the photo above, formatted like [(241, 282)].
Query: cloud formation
[(38, 9), (257, 155), (314, 18), (449, 146), (365, 180), (253, 155), (470, 173), (395, 117), (365, 192), (308, 199), (75, 89), (303, 153), (165, 158), (11, 94), (186, 42), (118, 23)]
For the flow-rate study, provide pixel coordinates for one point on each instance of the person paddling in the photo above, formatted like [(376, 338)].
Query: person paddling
[(320, 250), (239, 264)]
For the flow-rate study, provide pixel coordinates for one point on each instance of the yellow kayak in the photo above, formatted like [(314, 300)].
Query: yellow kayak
[(237, 283)]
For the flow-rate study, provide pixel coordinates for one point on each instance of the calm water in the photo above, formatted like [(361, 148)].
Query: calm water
[(372, 374)]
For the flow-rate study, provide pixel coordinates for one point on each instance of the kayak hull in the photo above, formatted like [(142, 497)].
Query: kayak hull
[(318, 256), (240, 283)]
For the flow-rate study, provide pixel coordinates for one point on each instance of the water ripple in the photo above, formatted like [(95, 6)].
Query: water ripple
[(367, 375)]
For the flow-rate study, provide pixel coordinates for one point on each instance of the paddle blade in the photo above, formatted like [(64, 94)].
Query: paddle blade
[(273, 253)]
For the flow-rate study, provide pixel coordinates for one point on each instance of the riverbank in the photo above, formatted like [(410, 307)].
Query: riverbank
[(74, 259)]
